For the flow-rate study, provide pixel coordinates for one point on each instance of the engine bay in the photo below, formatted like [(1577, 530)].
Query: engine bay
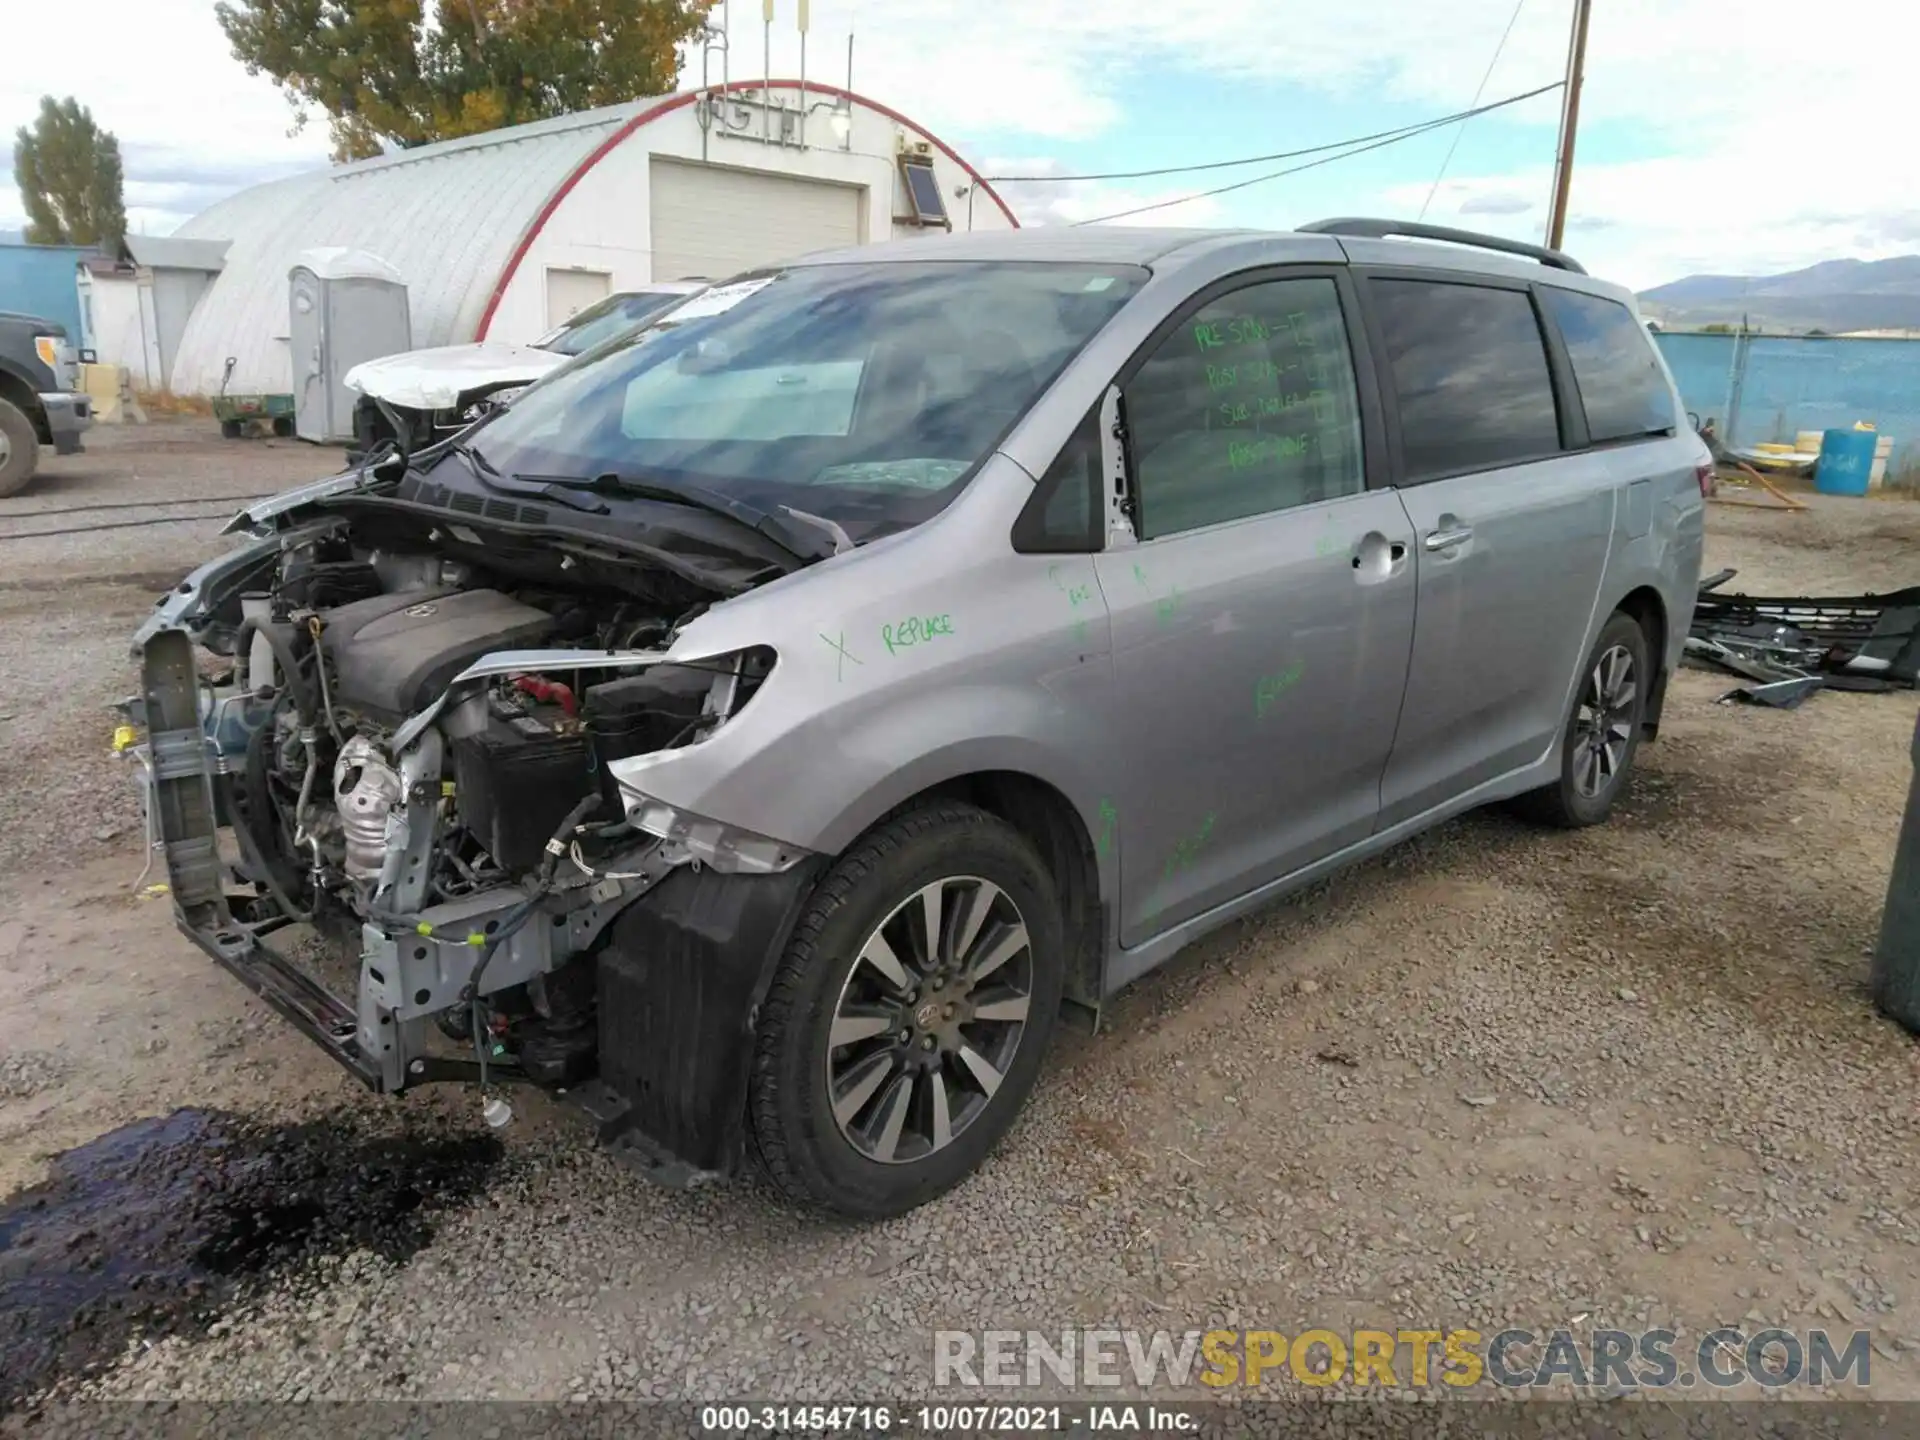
[(431, 847)]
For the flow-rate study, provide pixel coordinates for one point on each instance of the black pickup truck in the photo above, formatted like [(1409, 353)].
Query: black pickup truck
[(41, 402)]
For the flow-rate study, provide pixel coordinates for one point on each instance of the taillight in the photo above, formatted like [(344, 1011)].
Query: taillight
[(1705, 474)]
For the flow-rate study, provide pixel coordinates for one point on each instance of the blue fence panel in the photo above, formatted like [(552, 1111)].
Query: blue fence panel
[(43, 280), (1792, 384)]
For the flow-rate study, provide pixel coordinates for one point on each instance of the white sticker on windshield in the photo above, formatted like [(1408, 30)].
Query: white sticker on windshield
[(1099, 282), (719, 298)]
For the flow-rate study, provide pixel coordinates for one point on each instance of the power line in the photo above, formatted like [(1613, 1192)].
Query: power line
[(1419, 125), (1391, 138), (1480, 90)]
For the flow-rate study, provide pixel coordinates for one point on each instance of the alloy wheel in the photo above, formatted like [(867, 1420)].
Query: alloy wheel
[(1603, 724), (929, 1019)]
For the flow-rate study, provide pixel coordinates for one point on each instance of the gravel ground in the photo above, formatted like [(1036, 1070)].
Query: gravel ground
[(78, 597), (1626, 1077)]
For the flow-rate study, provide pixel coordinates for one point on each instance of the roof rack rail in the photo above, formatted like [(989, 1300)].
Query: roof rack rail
[(1413, 230)]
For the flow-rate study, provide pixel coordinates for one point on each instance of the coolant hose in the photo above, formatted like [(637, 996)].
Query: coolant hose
[(280, 637)]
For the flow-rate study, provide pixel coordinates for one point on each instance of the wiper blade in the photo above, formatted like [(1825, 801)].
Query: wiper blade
[(802, 546), (488, 474), (476, 462)]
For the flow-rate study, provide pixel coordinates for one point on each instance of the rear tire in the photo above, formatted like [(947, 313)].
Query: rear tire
[(939, 1044), (230, 429), (19, 449), (282, 427), (1602, 732)]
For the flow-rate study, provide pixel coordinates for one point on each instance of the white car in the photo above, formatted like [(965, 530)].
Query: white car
[(440, 391)]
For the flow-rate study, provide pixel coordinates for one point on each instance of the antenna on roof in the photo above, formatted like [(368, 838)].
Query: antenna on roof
[(766, 70), (801, 22)]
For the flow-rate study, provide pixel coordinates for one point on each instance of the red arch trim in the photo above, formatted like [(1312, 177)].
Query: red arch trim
[(675, 102)]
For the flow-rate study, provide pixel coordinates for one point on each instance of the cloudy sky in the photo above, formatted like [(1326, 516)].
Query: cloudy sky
[(1735, 136)]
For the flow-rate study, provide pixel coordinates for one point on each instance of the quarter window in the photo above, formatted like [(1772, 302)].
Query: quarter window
[(1249, 406), (1470, 374), (1621, 384), (1067, 513)]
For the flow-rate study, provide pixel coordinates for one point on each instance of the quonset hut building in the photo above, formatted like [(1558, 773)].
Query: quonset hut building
[(503, 235)]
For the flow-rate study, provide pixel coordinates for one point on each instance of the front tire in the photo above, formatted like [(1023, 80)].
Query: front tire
[(19, 449), (907, 1020), (1602, 733)]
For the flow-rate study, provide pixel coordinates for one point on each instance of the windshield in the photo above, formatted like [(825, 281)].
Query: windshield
[(864, 393), (603, 321)]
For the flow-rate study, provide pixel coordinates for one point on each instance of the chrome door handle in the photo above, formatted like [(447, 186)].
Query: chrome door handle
[(1447, 539)]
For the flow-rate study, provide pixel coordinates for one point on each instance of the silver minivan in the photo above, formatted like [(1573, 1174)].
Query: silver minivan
[(766, 732)]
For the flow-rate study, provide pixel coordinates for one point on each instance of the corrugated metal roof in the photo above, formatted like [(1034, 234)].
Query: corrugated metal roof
[(445, 216), (172, 252)]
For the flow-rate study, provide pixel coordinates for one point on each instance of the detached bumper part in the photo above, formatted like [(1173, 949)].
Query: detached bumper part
[(680, 986), (68, 417)]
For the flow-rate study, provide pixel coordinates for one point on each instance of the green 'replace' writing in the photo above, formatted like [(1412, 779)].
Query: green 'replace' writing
[(916, 630)]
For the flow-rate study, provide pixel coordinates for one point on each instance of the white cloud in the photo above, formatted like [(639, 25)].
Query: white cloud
[(1788, 125), (1762, 205), (1792, 120), (159, 74), (1060, 202)]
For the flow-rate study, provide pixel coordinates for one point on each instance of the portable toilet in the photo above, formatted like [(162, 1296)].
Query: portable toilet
[(347, 306)]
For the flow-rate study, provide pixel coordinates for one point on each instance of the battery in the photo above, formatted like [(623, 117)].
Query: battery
[(514, 783)]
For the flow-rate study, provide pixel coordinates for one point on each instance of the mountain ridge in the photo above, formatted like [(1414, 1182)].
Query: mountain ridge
[(1834, 295)]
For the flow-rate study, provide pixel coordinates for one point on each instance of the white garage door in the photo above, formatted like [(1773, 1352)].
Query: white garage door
[(713, 222)]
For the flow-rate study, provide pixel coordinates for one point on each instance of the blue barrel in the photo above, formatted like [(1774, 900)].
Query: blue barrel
[(1846, 462)]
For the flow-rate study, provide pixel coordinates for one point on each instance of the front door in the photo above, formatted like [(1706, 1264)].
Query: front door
[(1513, 536), (1261, 624)]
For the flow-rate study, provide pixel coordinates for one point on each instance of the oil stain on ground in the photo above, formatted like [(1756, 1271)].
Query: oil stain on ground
[(158, 1227)]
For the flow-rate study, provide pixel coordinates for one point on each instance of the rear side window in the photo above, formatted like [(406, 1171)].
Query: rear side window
[(1470, 373), (1621, 386)]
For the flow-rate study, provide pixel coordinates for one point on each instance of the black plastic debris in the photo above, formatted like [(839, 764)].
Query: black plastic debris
[(1789, 646)]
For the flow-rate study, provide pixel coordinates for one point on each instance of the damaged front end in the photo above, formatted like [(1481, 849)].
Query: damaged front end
[(420, 760)]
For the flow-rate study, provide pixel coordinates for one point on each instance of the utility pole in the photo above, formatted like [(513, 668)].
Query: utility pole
[(1569, 123)]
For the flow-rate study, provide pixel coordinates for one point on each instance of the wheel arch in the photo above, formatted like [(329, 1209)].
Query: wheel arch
[(1645, 607), (18, 392), (1042, 814)]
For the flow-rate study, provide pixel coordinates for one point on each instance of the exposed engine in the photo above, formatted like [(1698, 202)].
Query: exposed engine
[(331, 818)]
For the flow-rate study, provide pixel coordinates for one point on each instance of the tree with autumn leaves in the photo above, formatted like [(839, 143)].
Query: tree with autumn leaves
[(409, 72)]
